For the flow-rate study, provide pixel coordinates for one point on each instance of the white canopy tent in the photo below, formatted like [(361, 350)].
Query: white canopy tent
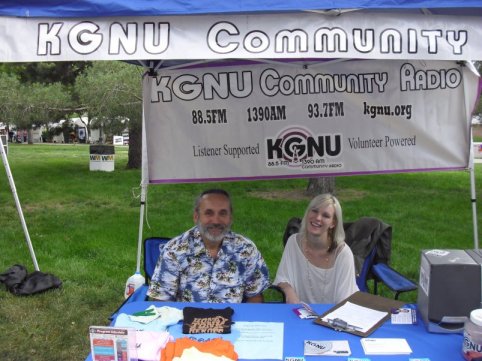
[(429, 41)]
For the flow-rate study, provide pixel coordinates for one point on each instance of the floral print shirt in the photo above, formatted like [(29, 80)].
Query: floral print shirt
[(186, 272)]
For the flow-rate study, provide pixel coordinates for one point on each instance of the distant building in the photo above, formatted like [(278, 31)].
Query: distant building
[(76, 132)]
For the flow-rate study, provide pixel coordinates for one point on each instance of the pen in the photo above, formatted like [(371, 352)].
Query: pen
[(339, 324), (145, 313)]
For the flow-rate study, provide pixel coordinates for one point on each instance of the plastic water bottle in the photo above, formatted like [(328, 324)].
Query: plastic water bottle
[(472, 346), (133, 283)]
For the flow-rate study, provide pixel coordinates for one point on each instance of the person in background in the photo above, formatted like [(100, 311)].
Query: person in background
[(209, 262), (317, 266)]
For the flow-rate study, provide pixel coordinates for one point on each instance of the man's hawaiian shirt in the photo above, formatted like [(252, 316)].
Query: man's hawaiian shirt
[(186, 272)]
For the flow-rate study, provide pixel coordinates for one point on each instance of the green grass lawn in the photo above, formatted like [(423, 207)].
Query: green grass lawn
[(84, 227)]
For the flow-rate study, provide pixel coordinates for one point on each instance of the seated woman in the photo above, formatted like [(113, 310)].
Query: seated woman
[(317, 266)]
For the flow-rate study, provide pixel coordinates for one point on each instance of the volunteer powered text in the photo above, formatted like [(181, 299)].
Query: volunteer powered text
[(384, 142)]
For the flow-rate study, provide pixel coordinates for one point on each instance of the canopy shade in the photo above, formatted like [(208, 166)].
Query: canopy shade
[(167, 31), (101, 8)]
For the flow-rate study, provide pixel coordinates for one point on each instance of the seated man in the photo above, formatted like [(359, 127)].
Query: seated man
[(209, 262)]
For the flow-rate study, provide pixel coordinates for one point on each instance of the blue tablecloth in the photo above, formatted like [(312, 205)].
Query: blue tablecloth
[(435, 346)]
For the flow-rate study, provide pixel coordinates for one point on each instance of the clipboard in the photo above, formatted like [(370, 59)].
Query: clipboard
[(367, 300)]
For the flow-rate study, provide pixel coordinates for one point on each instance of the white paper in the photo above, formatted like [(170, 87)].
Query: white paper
[(259, 340), (327, 348), (362, 317), (385, 346)]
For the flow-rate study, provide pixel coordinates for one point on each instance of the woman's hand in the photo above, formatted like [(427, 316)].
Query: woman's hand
[(290, 293)]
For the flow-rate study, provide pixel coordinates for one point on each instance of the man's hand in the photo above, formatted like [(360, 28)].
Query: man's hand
[(255, 299)]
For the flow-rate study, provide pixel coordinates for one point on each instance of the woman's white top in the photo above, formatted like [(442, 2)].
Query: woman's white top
[(313, 284)]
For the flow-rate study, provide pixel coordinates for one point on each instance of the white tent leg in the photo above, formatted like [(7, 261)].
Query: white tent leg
[(141, 227), (17, 204), (474, 207), (144, 180), (472, 193)]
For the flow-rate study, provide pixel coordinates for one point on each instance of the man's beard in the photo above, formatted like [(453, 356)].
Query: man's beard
[(206, 234)]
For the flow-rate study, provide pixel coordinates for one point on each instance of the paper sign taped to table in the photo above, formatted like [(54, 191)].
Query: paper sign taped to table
[(259, 340), (251, 340)]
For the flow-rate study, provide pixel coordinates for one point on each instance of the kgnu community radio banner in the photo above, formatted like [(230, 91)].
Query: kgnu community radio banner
[(267, 121), (302, 35)]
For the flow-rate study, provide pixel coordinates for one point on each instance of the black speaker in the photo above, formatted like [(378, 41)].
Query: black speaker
[(449, 288)]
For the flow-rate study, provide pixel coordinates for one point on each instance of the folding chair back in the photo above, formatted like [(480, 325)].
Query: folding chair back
[(292, 227), (152, 250), (362, 276)]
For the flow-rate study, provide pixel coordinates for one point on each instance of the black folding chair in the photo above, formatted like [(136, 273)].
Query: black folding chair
[(370, 240)]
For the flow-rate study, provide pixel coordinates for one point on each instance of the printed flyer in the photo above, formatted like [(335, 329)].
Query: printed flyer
[(112, 343)]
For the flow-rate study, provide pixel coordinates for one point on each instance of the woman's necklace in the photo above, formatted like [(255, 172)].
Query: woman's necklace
[(317, 255)]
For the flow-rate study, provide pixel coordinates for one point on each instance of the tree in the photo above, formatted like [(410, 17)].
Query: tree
[(112, 91), (320, 185), (10, 97), (48, 73), (27, 105), (34, 94), (44, 103)]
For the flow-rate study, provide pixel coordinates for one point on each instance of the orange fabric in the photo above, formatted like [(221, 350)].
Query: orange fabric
[(217, 346)]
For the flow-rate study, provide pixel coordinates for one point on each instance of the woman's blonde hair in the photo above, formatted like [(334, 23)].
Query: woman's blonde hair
[(323, 200)]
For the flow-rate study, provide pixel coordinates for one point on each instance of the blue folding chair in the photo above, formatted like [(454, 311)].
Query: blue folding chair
[(363, 276), (152, 249), (394, 280)]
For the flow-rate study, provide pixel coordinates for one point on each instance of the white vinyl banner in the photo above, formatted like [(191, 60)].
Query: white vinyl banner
[(355, 35), (280, 121)]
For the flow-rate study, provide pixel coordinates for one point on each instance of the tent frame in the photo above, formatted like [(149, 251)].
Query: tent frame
[(123, 8)]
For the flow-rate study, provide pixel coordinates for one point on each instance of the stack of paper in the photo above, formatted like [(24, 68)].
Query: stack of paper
[(364, 318), (404, 316), (385, 346)]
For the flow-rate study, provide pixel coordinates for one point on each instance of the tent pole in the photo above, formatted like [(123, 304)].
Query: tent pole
[(473, 196), (474, 207), (141, 224), (143, 192), (17, 204)]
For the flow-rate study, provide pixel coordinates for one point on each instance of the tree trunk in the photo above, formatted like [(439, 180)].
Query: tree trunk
[(30, 135), (320, 185), (135, 146)]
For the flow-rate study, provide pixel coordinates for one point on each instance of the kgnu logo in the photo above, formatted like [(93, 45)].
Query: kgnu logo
[(296, 145)]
